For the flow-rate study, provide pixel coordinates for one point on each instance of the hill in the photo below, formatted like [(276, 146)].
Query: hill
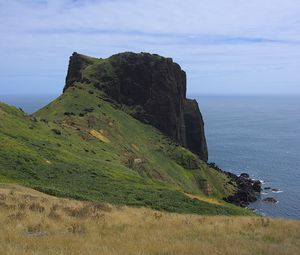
[(89, 144), (150, 87)]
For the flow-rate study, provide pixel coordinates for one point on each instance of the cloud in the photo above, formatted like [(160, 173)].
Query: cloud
[(215, 41), (233, 17)]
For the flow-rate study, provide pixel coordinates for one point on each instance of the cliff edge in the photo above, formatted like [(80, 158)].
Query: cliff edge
[(152, 88)]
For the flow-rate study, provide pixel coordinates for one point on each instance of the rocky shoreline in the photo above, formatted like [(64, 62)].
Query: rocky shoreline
[(248, 190)]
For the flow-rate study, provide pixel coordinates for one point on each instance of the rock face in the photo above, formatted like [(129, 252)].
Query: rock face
[(154, 86), (194, 128), (76, 65)]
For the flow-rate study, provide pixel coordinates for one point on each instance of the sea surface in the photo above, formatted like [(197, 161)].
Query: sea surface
[(28, 103), (259, 135)]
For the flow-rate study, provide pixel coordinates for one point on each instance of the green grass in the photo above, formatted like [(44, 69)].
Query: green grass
[(139, 166)]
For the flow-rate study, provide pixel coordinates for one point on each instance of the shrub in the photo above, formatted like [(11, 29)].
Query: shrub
[(81, 212), (36, 207), (56, 131), (76, 228), (54, 215)]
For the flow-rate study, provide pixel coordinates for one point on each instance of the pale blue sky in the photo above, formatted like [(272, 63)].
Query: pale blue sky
[(226, 47)]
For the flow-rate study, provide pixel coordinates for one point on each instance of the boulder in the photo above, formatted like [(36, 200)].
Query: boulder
[(270, 200), (257, 186), (245, 175), (275, 190)]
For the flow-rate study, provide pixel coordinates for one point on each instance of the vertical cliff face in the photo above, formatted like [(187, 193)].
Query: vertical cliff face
[(76, 64), (194, 131), (154, 85)]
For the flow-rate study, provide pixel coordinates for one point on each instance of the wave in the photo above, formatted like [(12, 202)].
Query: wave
[(277, 191)]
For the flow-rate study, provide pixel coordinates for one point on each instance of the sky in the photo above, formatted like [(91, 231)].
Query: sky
[(225, 46)]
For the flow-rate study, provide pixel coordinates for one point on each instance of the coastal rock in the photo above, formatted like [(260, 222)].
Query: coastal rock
[(275, 190), (245, 194), (153, 87), (247, 189), (257, 186), (245, 175), (270, 200)]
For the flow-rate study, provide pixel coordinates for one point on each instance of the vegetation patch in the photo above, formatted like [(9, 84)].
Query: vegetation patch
[(128, 163), (67, 226)]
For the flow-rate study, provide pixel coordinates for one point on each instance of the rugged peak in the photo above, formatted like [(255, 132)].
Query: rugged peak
[(153, 86), (77, 62)]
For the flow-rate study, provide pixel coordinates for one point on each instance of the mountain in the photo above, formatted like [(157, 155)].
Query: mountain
[(122, 132), (151, 86)]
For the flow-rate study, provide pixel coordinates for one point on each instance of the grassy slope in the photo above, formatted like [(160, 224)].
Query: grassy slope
[(135, 165), (35, 223)]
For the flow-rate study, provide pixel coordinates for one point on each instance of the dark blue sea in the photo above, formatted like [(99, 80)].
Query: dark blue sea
[(259, 135)]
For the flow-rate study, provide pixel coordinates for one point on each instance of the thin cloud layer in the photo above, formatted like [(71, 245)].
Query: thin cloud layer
[(232, 46)]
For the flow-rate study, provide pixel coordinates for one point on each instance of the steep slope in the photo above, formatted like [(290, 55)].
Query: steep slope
[(87, 145), (152, 87), (81, 146)]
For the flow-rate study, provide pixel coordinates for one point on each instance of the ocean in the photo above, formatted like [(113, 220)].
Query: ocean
[(259, 135)]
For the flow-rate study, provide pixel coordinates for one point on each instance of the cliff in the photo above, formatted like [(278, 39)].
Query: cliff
[(152, 87)]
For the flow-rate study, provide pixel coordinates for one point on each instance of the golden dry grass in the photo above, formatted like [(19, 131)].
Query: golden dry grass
[(99, 135), (35, 223), (205, 199)]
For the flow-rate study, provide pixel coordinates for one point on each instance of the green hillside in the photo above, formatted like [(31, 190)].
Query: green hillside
[(84, 147)]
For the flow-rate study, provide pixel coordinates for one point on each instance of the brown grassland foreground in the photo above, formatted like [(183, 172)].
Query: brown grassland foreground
[(35, 223)]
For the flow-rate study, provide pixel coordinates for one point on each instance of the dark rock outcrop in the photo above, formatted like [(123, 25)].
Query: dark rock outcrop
[(247, 189), (245, 175), (257, 186), (153, 86), (275, 190), (270, 200), (76, 64)]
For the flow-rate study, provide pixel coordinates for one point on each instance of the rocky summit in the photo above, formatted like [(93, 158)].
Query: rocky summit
[(152, 87)]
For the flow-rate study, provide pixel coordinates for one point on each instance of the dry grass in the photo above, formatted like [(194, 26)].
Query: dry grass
[(99, 135), (35, 223), (205, 199)]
